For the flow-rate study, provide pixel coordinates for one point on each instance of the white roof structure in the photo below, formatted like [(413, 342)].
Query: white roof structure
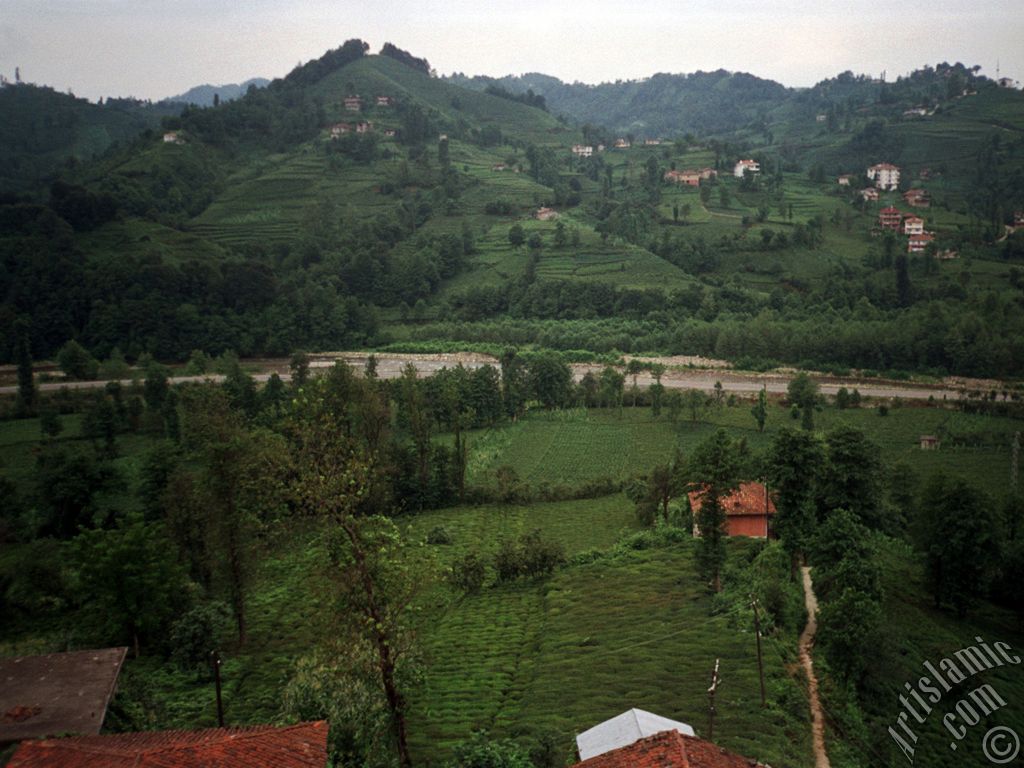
[(623, 730)]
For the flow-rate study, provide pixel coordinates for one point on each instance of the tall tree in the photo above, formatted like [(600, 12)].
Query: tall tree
[(713, 470), (962, 544), (371, 578), (760, 409), (852, 478), (803, 393), (26, 383), (795, 462)]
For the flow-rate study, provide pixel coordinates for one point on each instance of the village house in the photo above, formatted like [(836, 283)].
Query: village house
[(1018, 218), (885, 175), (689, 178), (600, 147), (638, 739), (930, 443), (890, 218), (390, 132), (918, 243), (339, 129), (746, 165), (582, 150), (870, 194), (917, 198), (353, 103), (622, 144), (1007, 82), (385, 101), (748, 510), (913, 225), (545, 214), (173, 137), (623, 730), (820, 118), (652, 142), (499, 167), (364, 127), (844, 180), (262, 746), (707, 173)]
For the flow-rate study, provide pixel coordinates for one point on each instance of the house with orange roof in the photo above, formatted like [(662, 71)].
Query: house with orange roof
[(748, 510), (919, 243), (670, 749)]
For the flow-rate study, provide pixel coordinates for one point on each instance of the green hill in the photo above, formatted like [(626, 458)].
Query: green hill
[(42, 131)]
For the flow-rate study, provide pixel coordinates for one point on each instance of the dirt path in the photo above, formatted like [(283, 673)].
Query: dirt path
[(806, 643)]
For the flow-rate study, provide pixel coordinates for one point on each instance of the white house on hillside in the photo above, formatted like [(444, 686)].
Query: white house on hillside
[(582, 150), (746, 165), (885, 175)]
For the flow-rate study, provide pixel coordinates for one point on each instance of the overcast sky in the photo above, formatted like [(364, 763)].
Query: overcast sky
[(158, 48)]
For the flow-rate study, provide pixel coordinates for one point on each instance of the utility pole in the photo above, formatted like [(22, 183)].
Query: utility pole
[(760, 660), (715, 680), (215, 661)]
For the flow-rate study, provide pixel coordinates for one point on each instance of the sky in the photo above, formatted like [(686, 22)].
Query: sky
[(152, 49)]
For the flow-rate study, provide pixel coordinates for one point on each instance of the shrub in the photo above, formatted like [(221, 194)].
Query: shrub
[(469, 573), (195, 634), (439, 535)]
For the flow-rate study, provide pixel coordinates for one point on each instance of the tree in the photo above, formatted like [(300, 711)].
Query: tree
[(794, 464), (760, 409), (657, 389), (239, 488), (560, 236), (713, 471), (851, 478), (516, 236), (131, 579), (299, 367), (68, 485), (633, 368), (26, 383), (514, 384), (50, 424), (551, 380), (76, 362), (803, 393), (482, 752), (695, 402), (848, 632), (612, 383), (371, 577), (903, 288), (961, 540), (664, 484)]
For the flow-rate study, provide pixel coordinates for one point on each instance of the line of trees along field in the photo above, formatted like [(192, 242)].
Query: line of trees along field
[(234, 468)]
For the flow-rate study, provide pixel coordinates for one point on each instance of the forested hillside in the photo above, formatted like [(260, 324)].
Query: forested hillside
[(288, 219)]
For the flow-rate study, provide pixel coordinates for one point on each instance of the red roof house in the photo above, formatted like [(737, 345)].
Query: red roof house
[(262, 746), (669, 749), (890, 218), (748, 510)]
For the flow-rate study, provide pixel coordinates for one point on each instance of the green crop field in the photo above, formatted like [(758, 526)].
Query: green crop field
[(575, 447)]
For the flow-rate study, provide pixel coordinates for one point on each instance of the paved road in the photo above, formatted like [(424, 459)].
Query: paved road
[(390, 367)]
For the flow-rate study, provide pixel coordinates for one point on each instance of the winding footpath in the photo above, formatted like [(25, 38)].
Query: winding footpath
[(806, 643)]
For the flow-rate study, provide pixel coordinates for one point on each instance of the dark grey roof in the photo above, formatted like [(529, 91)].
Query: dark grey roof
[(57, 693)]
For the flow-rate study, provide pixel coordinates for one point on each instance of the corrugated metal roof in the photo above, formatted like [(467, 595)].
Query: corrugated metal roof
[(623, 730)]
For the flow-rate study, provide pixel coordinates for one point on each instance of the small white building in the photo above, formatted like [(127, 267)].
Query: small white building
[(623, 730), (622, 144), (173, 137), (746, 165), (582, 150), (885, 175)]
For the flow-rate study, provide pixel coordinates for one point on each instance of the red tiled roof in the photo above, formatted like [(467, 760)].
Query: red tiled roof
[(748, 499), (669, 749), (263, 746)]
